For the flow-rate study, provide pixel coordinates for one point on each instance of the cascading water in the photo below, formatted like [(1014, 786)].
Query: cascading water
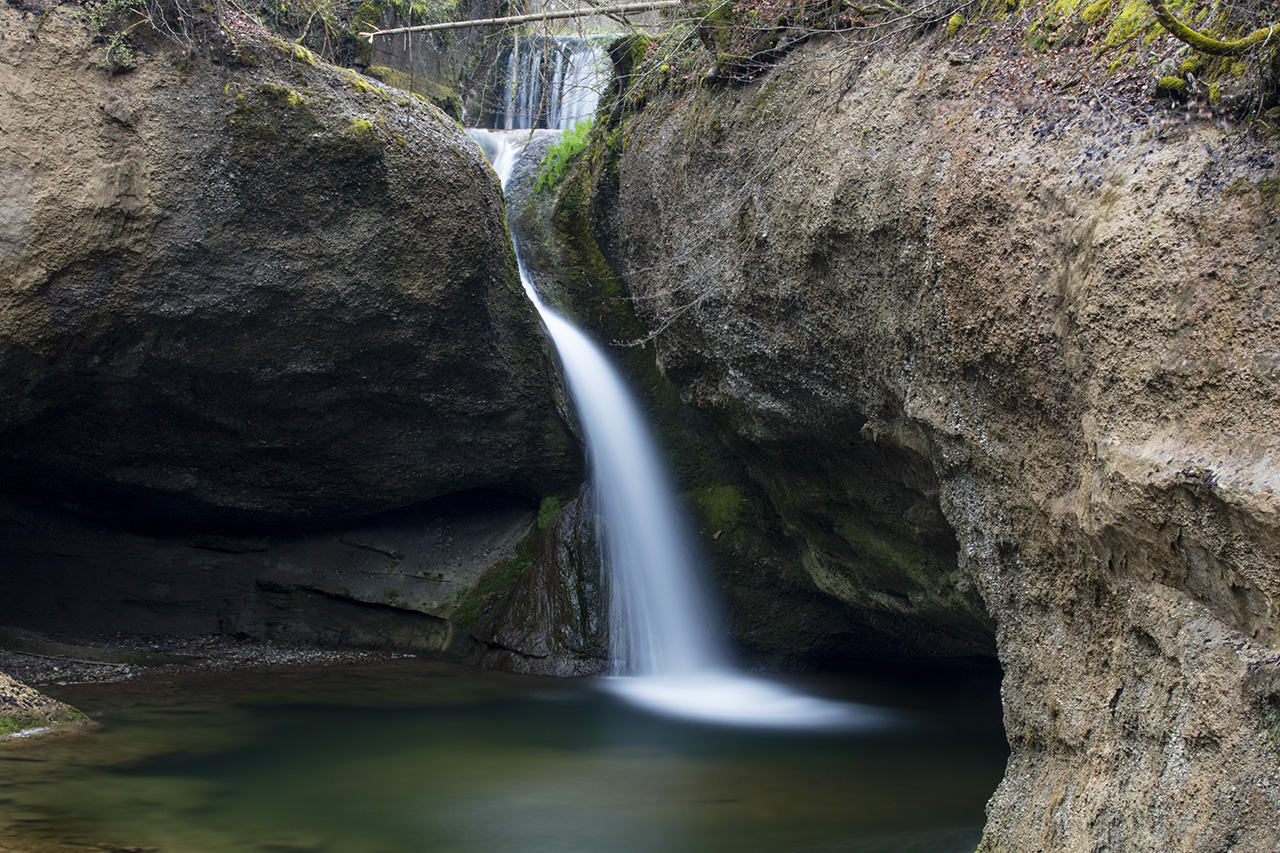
[(664, 641), (658, 616), (550, 81)]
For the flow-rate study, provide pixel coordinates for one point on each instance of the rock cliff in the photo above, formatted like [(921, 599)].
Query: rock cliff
[(776, 614), (250, 288), (1006, 367), (266, 362)]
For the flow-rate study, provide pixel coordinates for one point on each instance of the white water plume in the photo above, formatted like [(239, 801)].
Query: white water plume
[(551, 81)]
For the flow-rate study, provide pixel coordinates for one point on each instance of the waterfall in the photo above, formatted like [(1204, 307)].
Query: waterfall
[(659, 620), (549, 81), (664, 641)]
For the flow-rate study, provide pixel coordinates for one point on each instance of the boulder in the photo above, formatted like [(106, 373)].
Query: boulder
[(242, 287), (24, 711)]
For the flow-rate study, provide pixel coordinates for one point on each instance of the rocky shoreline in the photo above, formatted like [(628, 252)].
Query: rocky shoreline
[(37, 661), (115, 658)]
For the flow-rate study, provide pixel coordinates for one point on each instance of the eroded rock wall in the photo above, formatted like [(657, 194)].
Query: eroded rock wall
[(1000, 364), (394, 581), (774, 612), (266, 362), (254, 291)]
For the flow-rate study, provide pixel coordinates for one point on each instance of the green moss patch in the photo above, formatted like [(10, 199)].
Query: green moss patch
[(1271, 721), (548, 510), (496, 583), (570, 145), (43, 713), (269, 112), (421, 88), (721, 506), (14, 725)]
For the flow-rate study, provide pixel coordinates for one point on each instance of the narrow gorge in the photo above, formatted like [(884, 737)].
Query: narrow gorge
[(961, 344)]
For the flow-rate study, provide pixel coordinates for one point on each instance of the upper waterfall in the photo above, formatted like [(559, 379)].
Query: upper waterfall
[(548, 81)]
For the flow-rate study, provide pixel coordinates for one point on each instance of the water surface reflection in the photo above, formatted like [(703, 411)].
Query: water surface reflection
[(419, 756)]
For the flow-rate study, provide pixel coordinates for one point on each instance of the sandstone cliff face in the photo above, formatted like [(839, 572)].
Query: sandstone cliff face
[(253, 292), (1000, 366)]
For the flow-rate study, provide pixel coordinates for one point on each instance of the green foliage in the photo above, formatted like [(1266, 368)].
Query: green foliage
[(110, 22), (548, 510), (572, 143)]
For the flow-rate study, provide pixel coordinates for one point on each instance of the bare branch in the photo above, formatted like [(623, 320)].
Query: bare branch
[(537, 16)]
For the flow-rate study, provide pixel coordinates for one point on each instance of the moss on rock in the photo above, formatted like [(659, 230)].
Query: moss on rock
[(275, 274), (449, 100), (23, 709)]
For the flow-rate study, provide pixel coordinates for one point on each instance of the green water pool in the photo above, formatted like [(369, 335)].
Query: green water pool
[(419, 756)]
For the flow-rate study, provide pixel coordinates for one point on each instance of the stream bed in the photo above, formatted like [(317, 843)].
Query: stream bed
[(413, 755)]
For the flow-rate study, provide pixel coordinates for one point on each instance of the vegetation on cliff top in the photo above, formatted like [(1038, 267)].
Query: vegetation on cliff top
[(562, 154), (1225, 54), (328, 28)]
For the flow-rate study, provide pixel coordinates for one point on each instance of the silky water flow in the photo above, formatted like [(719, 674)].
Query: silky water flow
[(665, 647), (550, 81)]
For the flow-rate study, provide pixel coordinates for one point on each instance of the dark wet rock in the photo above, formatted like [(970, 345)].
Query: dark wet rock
[(393, 581), (552, 619)]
